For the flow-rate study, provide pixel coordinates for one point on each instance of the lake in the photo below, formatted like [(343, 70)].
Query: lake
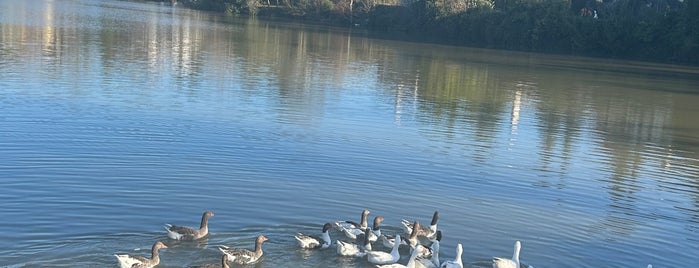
[(117, 117)]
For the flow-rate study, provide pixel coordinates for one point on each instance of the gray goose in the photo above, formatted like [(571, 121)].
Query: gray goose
[(245, 256), (135, 261), (189, 233)]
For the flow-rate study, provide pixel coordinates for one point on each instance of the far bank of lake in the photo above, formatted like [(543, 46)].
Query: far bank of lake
[(658, 31)]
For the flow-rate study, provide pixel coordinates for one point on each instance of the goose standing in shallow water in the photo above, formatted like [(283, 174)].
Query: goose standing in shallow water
[(314, 242), (456, 263), (380, 257), (509, 263), (134, 261), (188, 233), (244, 256)]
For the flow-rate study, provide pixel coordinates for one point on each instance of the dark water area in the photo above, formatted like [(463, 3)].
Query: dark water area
[(117, 117)]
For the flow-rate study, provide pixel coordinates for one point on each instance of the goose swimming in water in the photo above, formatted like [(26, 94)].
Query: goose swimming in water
[(426, 231), (509, 263), (242, 255), (388, 240), (134, 261), (351, 228), (380, 257), (413, 241), (456, 263), (376, 230), (188, 233), (314, 242), (412, 262), (352, 233), (355, 250), (432, 262)]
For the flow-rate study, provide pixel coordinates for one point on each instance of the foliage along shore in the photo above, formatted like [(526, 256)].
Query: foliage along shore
[(664, 31)]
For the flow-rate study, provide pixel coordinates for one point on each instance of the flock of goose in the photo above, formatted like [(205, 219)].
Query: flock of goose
[(423, 242)]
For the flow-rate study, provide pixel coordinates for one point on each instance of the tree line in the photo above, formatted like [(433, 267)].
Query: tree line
[(650, 30)]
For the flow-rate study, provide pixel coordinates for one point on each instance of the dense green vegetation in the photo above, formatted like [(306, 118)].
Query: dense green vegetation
[(652, 30)]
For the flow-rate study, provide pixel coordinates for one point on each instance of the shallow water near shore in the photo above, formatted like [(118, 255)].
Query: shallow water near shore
[(117, 117)]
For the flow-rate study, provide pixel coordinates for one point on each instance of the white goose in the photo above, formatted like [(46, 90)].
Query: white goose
[(188, 233), (456, 263), (509, 263), (244, 256), (134, 261), (412, 263), (388, 240), (428, 232), (380, 257), (314, 242), (355, 250)]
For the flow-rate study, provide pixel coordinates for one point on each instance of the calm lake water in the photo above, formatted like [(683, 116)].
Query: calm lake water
[(118, 117)]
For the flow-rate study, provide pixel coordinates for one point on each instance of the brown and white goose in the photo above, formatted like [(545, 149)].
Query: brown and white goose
[(355, 250), (244, 256), (432, 262), (413, 241), (376, 231), (352, 228), (189, 233), (352, 233), (134, 261), (427, 231), (314, 242)]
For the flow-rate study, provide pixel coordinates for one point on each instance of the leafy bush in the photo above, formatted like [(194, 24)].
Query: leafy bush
[(658, 30)]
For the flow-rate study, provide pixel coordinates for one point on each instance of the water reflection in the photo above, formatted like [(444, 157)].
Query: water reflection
[(457, 96), (464, 101), (553, 129)]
